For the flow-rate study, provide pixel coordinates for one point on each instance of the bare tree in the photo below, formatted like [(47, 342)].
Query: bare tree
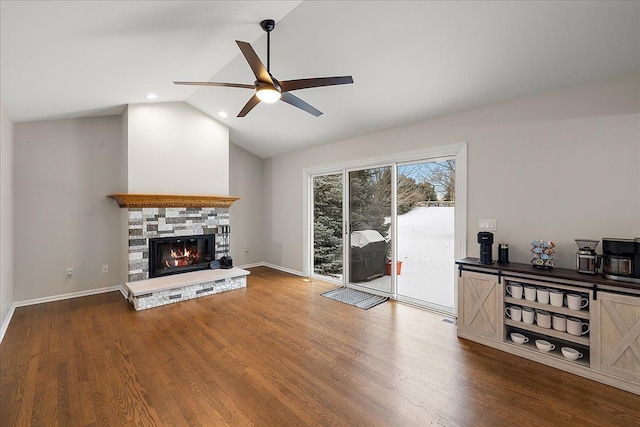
[(441, 175)]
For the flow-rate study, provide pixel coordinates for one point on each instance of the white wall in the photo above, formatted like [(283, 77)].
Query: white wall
[(559, 165), (176, 149), (6, 214), (63, 219), (245, 215)]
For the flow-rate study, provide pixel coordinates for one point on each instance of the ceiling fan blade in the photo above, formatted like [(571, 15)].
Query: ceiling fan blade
[(240, 85), (297, 102), (256, 65), (289, 85), (249, 106)]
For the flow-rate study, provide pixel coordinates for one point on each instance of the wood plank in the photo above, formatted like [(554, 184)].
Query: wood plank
[(126, 200), (277, 353)]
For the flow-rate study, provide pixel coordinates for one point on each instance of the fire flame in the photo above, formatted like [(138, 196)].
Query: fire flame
[(182, 257)]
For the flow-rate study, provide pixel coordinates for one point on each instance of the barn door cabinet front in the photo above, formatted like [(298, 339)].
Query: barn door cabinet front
[(480, 305), (617, 346)]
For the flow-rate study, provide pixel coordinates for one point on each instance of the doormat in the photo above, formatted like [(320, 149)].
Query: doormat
[(356, 298)]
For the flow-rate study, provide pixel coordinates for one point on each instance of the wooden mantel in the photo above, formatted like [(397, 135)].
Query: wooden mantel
[(171, 201)]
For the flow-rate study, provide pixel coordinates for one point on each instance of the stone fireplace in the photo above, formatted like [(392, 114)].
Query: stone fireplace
[(169, 234), (162, 223)]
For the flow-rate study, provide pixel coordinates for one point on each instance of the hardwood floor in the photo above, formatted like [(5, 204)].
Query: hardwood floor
[(276, 354)]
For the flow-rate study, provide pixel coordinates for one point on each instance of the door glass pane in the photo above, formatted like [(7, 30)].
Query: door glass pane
[(369, 221), (426, 206), (327, 225)]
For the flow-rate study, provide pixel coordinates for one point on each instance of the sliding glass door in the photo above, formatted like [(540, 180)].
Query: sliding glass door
[(327, 228), (392, 227), (369, 222), (425, 233)]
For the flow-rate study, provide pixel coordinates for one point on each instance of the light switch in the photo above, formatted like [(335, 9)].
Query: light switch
[(487, 225)]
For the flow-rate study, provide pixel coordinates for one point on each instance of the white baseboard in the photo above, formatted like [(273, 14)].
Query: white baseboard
[(275, 267), (7, 319), (255, 264), (53, 298), (286, 270), (67, 296)]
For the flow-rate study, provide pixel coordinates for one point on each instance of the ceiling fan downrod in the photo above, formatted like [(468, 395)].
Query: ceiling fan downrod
[(268, 25)]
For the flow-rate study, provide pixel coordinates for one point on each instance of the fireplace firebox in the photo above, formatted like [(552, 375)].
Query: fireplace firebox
[(172, 255)]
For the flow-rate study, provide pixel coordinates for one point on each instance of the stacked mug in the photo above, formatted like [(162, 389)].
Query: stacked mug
[(515, 312), (542, 318)]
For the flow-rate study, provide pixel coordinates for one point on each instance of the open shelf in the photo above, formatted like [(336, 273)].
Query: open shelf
[(581, 314), (583, 340), (555, 353)]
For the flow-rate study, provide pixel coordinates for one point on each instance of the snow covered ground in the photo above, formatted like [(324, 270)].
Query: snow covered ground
[(425, 247)]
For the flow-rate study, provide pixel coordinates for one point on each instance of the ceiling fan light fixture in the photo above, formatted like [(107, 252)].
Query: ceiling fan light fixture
[(267, 88), (268, 95)]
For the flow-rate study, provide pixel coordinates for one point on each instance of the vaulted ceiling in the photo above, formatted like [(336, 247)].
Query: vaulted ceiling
[(410, 60)]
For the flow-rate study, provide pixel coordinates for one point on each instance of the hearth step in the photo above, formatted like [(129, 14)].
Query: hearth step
[(149, 293)]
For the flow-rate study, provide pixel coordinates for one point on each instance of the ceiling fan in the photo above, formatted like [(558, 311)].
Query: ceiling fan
[(267, 88)]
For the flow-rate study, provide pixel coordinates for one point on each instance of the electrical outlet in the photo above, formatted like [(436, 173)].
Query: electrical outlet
[(105, 268), (69, 273), (487, 225), (246, 251)]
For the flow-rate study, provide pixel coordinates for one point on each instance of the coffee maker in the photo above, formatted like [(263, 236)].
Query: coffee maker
[(621, 259), (485, 239), (587, 261)]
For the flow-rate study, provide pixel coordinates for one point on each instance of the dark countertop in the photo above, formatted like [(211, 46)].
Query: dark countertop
[(555, 273)]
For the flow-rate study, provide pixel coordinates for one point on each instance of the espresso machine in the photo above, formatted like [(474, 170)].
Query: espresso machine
[(621, 259), (587, 261)]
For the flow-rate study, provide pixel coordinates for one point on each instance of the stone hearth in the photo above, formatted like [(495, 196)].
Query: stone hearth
[(158, 291)]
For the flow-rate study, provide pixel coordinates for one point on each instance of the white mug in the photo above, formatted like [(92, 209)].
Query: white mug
[(528, 315), (543, 319), (515, 290), (570, 353), (514, 312), (519, 338), (556, 297), (543, 295), (530, 293), (559, 322), (576, 302), (577, 326), (545, 345)]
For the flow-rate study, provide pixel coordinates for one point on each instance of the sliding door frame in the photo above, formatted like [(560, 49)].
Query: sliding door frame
[(458, 151)]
